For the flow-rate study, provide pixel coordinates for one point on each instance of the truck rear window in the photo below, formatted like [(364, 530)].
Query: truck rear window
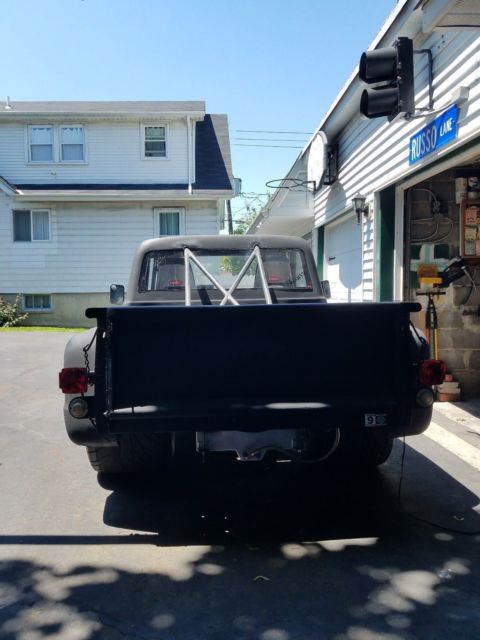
[(284, 268)]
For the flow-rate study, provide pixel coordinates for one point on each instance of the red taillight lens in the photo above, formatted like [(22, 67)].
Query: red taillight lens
[(273, 279), (432, 372), (73, 380)]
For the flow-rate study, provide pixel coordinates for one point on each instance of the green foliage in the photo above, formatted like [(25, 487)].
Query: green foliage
[(242, 224), (11, 313)]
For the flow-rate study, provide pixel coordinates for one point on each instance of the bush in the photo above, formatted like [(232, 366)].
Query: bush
[(11, 313)]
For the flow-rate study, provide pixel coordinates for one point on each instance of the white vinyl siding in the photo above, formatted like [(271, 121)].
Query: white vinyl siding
[(31, 226), (92, 245), (113, 151), (375, 153)]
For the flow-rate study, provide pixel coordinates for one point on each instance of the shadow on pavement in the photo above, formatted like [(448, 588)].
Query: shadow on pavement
[(283, 554), (242, 502)]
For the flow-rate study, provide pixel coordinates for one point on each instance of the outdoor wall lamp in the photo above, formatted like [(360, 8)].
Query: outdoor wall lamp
[(360, 207)]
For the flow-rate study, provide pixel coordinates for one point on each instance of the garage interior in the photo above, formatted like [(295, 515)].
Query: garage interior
[(442, 245)]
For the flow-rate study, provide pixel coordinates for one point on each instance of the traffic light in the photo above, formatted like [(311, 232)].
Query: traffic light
[(393, 67)]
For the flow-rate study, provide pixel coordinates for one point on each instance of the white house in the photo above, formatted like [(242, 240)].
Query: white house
[(83, 183), (417, 191)]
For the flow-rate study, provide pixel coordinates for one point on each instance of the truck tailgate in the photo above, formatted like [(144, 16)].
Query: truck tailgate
[(252, 367)]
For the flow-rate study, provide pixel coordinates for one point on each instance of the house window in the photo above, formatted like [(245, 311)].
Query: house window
[(41, 143), (31, 225), (37, 302), (55, 143), (71, 143), (171, 222), (154, 141)]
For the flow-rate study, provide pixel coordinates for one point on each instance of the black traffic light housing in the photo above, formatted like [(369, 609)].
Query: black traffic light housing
[(392, 66)]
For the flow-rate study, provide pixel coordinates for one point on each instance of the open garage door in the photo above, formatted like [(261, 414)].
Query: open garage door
[(343, 259)]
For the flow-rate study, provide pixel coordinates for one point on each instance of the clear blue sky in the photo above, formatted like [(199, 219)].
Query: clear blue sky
[(271, 65)]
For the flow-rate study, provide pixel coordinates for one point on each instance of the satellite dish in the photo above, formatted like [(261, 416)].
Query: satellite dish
[(317, 160)]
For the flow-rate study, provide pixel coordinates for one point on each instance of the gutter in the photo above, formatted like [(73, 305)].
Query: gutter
[(102, 115), (7, 187), (115, 196)]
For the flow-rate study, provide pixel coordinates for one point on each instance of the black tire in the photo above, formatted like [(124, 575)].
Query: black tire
[(134, 454), (377, 448), (367, 448)]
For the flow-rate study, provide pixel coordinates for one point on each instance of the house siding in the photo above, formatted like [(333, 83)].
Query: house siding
[(92, 245), (113, 154), (375, 153)]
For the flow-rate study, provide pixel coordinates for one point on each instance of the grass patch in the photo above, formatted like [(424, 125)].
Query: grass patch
[(66, 329)]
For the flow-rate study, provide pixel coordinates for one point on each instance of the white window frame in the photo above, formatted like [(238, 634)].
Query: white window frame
[(84, 145), (56, 143), (29, 142), (156, 219), (32, 211), (37, 309), (143, 125)]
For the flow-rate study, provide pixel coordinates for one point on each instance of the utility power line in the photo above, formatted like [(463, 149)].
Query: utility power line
[(270, 146), (303, 133), (271, 139)]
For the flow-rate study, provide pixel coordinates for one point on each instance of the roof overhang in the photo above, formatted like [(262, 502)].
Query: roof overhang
[(450, 14), (76, 116), (285, 225), (101, 110), (7, 188), (119, 196)]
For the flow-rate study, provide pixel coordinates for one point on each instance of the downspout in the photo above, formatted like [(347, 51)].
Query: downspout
[(189, 154)]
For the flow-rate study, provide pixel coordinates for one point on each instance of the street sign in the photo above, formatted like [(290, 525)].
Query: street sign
[(434, 135)]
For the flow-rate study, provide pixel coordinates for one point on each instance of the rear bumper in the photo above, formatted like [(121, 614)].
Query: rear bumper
[(84, 432), (314, 415)]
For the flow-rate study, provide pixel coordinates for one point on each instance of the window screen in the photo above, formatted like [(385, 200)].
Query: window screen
[(41, 144), (31, 225), (72, 144), (155, 142), (169, 223)]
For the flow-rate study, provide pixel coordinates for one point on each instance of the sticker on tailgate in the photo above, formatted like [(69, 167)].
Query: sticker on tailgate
[(375, 419)]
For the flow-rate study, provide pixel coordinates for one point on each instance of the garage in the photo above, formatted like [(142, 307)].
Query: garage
[(343, 259)]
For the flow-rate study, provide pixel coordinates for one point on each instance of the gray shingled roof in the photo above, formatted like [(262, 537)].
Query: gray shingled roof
[(100, 107), (213, 164)]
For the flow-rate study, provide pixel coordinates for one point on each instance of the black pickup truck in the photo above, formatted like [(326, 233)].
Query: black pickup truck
[(227, 344)]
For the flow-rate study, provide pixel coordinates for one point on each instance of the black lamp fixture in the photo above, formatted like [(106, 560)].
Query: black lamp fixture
[(360, 207)]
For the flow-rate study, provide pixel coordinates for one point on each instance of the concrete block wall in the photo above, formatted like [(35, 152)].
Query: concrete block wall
[(459, 310)]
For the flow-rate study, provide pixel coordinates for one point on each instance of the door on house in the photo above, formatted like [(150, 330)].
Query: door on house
[(343, 259)]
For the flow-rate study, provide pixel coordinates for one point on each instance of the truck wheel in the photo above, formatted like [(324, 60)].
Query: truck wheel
[(134, 453), (365, 449), (376, 448)]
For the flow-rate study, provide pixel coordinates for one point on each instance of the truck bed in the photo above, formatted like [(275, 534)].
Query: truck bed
[(252, 367)]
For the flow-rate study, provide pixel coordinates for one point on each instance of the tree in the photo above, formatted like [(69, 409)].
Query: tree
[(241, 225)]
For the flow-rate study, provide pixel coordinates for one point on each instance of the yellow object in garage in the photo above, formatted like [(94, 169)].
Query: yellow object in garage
[(429, 280)]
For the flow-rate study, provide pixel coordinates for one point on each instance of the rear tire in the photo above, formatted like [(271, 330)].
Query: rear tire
[(366, 448), (377, 448), (134, 454)]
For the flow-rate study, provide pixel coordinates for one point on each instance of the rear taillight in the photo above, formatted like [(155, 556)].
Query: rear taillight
[(73, 380), (273, 279), (432, 372)]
